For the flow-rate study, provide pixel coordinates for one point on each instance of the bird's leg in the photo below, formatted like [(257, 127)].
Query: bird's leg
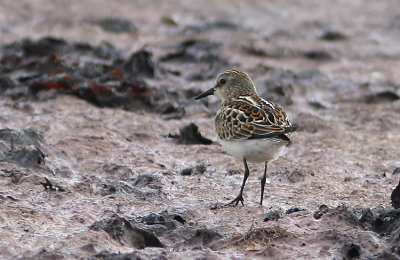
[(235, 201), (263, 180)]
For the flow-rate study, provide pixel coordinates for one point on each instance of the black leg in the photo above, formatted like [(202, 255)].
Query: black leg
[(263, 180), (235, 201)]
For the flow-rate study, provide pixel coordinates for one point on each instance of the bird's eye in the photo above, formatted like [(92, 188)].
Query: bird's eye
[(222, 81)]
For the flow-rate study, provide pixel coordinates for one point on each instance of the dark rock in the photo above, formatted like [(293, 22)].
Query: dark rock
[(103, 83), (127, 233), (28, 156), (292, 210), (90, 248), (273, 215), (21, 147), (82, 47), (366, 215), (134, 93), (379, 220), (49, 186), (382, 97), (351, 251), (318, 104), (140, 64), (395, 197), (319, 55), (198, 169), (396, 171), (168, 20), (190, 135), (323, 208), (97, 74), (166, 219), (105, 255), (27, 136), (164, 225), (202, 54), (179, 219), (117, 25), (186, 171), (332, 35), (321, 211), (271, 51), (153, 219), (44, 46)]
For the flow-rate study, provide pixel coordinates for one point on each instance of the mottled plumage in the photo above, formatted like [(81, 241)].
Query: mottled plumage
[(251, 117), (247, 126)]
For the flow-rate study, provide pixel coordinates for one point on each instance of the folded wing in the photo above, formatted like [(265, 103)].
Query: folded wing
[(252, 117)]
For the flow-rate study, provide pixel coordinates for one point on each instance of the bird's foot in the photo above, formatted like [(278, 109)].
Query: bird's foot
[(236, 201)]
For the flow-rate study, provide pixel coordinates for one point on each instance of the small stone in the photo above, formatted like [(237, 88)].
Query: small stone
[(292, 210), (395, 197), (332, 35), (186, 172), (198, 169), (320, 55), (321, 211), (273, 215), (190, 134), (140, 64), (351, 251)]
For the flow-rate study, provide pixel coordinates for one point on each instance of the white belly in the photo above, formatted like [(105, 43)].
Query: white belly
[(256, 150)]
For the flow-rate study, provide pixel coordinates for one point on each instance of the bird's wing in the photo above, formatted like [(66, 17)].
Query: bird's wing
[(252, 118)]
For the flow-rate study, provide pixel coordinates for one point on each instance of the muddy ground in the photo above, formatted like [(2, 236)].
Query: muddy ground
[(93, 164)]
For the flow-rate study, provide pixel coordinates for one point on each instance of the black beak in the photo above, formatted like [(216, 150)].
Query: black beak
[(205, 93)]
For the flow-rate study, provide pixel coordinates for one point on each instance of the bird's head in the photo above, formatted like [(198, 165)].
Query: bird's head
[(231, 84)]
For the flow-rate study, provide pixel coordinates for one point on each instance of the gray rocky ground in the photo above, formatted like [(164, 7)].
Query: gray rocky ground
[(93, 164)]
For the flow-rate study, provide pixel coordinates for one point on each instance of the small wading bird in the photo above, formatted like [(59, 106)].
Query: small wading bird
[(248, 127)]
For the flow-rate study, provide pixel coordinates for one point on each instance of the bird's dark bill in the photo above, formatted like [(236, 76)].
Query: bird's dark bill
[(205, 94)]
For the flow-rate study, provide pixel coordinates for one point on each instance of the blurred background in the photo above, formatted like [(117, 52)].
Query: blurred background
[(104, 154)]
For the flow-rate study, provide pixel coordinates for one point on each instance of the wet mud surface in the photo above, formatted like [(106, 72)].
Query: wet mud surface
[(104, 154)]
